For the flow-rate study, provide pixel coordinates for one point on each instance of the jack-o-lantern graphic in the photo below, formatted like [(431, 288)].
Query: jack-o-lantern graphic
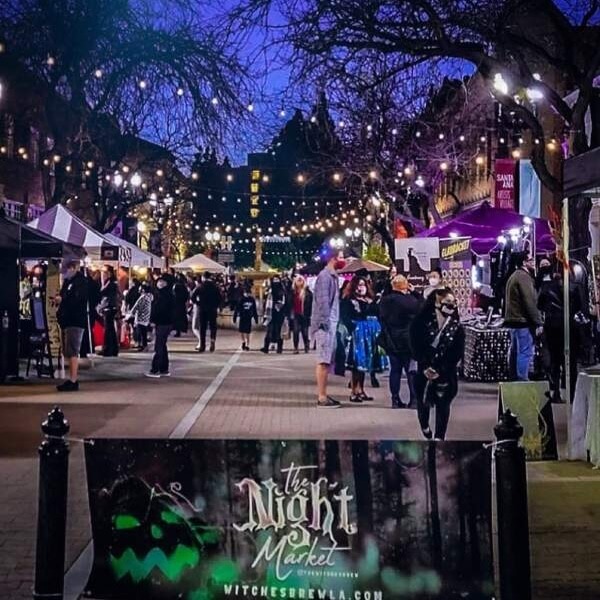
[(158, 546)]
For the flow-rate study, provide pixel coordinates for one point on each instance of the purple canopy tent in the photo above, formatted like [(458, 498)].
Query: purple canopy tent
[(484, 224)]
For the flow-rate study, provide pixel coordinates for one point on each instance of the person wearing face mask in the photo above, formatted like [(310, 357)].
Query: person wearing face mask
[(72, 318), (435, 282), (437, 340), (274, 314), (521, 315), (359, 329), (324, 320)]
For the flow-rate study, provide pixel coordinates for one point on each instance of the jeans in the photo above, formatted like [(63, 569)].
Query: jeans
[(399, 363), (300, 328), (522, 349), (208, 320), (160, 360)]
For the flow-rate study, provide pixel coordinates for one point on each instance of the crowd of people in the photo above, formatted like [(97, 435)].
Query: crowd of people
[(356, 327), (362, 331)]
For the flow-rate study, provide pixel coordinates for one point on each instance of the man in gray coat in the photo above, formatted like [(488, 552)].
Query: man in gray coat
[(324, 321)]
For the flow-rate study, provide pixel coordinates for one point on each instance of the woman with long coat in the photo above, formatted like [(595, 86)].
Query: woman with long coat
[(437, 341)]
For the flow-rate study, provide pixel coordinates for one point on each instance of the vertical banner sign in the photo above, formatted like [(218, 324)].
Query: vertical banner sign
[(254, 193), (504, 183), (416, 257), (530, 190), (289, 520), (456, 261), (52, 291)]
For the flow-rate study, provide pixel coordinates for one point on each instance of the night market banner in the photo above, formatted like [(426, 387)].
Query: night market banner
[(289, 520)]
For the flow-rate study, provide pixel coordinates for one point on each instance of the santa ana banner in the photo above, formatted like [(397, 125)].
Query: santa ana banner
[(290, 520)]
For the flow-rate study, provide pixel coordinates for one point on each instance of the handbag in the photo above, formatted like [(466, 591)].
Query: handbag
[(285, 330)]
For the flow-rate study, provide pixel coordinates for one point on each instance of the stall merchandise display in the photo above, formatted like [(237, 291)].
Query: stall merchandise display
[(486, 354)]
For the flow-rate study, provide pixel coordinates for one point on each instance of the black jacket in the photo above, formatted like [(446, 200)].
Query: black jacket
[(72, 310), (352, 310), (207, 296), (163, 307), (396, 313), (445, 357), (306, 305)]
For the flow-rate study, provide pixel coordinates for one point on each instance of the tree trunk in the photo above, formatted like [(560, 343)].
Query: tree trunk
[(436, 528), (362, 483)]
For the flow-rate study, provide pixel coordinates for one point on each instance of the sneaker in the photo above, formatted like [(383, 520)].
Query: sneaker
[(356, 399), (364, 397), (68, 386), (427, 433), (165, 374), (201, 349), (212, 346), (247, 348), (396, 402), (374, 381), (296, 351), (329, 402), (152, 375)]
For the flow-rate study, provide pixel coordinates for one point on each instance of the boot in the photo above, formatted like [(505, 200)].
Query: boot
[(279, 346), (212, 345), (374, 381)]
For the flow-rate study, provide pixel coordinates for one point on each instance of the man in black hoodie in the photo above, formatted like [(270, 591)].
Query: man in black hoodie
[(162, 317), (208, 298), (72, 318)]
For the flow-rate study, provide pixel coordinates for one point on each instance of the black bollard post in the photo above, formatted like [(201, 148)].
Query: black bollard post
[(511, 497), (52, 508), (4, 346)]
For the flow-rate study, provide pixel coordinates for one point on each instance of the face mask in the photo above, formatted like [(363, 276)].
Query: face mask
[(339, 264), (447, 309), (434, 281)]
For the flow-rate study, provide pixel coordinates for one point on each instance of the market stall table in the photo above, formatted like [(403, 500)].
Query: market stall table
[(486, 354), (585, 432)]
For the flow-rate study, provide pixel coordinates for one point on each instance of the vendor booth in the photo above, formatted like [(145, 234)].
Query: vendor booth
[(25, 315), (581, 246), (133, 257), (472, 252), (62, 224)]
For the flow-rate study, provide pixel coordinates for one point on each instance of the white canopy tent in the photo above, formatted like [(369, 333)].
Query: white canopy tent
[(200, 263)]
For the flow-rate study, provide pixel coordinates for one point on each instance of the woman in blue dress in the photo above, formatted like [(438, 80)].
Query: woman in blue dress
[(358, 329)]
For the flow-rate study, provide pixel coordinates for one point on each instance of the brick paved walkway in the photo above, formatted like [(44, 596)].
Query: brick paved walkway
[(262, 396)]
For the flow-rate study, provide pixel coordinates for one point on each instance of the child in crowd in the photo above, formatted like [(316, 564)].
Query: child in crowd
[(245, 310)]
